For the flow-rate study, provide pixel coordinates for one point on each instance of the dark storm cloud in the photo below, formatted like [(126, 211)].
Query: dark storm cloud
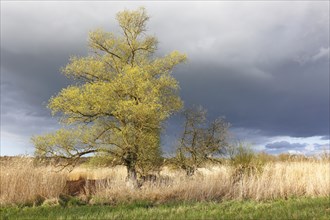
[(263, 65), (20, 119), (293, 101), (36, 77), (265, 71)]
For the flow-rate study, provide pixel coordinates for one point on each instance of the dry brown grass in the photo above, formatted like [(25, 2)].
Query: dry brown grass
[(22, 182)]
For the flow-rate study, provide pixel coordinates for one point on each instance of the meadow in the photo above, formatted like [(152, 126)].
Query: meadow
[(279, 185), (299, 208)]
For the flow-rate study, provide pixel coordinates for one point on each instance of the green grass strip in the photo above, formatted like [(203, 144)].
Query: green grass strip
[(298, 208)]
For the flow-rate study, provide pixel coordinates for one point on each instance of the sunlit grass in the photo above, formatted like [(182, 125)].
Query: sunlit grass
[(24, 183), (299, 208)]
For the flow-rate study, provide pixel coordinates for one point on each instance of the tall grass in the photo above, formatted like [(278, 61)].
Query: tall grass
[(23, 182)]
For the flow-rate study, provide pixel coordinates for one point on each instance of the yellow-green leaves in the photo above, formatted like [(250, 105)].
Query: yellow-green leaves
[(134, 95), (88, 69), (121, 96), (64, 142), (133, 23)]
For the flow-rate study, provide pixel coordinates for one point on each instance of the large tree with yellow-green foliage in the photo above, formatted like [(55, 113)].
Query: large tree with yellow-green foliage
[(121, 96)]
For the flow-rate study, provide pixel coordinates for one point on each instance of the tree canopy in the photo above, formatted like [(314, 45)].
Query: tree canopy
[(121, 95)]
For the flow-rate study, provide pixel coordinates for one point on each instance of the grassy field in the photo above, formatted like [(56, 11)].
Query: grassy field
[(299, 208)]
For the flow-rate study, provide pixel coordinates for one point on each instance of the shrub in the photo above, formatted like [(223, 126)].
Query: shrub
[(244, 161)]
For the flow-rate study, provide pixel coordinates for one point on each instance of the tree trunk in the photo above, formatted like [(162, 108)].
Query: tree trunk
[(190, 171), (130, 161), (131, 179)]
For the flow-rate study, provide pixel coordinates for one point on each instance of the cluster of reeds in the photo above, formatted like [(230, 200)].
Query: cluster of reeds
[(24, 182)]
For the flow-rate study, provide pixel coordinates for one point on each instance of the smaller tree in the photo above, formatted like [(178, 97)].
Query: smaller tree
[(201, 141)]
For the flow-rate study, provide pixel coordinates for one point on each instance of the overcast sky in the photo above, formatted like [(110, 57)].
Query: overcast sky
[(264, 65)]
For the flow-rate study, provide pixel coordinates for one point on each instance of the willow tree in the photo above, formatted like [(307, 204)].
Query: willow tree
[(121, 96)]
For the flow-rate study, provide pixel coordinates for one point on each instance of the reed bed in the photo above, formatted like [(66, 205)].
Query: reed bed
[(23, 182)]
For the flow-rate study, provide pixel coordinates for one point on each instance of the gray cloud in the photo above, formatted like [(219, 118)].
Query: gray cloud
[(285, 145), (263, 65), (35, 77), (295, 101), (326, 137), (307, 148), (22, 116)]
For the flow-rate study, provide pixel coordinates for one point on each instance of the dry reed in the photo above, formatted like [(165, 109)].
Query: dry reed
[(22, 182)]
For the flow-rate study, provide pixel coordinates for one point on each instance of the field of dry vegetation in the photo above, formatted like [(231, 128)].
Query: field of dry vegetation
[(23, 182)]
